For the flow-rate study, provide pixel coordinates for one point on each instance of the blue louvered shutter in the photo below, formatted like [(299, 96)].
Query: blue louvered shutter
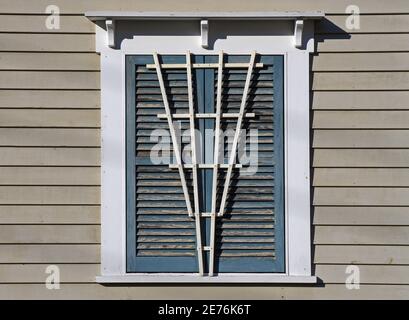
[(250, 236), (160, 235)]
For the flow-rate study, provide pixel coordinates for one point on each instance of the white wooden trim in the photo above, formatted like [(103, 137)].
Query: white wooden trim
[(199, 15), (297, 183), (195, 278)]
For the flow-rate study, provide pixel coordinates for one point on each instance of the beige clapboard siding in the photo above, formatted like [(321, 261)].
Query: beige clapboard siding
[(357, 61), (362, 42), (47, 42), (368, 274), (332, 196), (360, 177), (360, 158), (360, 100), (79, 195), (50, 253), (50, 99), (70, 176), (361, 139), (80, 6), (360, 119), (36, 273), (51, 234), (361, 216), (361, 235), (49, 61), (20, 215), (361, 81), (49, 118), (97, 291), (11, 156), (37, 23), (362, 254), (49, 80), (49, 137), (86, 273), (367, 24)]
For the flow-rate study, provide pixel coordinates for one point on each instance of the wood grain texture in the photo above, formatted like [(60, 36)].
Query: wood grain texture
[(357, 61), (67, 176), (360, 120), (49, 118), (361, 177), (49, 137), (350, 158), (361, 139), (361, 196), (381, 216), (12, 156), (52, 234), (49, 80), (49, 99), (360, 81), (50, 253), (47, 42), (49, 61), (49, 214), (49, 195), (360, 100)]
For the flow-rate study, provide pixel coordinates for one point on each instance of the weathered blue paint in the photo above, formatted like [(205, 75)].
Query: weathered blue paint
[(148, 216)]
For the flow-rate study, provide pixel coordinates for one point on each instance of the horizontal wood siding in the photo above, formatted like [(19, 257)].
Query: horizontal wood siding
[(50, 151)]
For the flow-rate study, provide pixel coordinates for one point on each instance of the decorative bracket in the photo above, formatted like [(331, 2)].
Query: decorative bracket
[(110, 25), (204, 33), (298, 29)]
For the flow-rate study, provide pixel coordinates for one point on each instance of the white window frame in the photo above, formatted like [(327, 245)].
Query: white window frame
[(297, 146)]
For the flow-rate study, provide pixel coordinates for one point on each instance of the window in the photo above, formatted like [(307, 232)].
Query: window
[(262, 233), (249, 237)]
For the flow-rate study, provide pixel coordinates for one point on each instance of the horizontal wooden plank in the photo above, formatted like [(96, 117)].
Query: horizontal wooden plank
[(368, 24), (361, 139), (332, 196), (49, 253), (80, 6), (351, 254), (360, 119), (362, 42), (49, 61), (49, 118), (360, 158), (49, 99), (361, 216), (357, 61), (358, 177), (361, 100), (360, 81), (36, 273), (11, 156), (367, 274), (37, 23), (200, 292), (49, 195), (10, 214), (72, 176), (30, 234), (49, 80), (361, 235), (47, 42), (49, 137)]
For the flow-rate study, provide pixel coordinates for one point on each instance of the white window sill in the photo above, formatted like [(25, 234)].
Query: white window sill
[(195, 278)]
